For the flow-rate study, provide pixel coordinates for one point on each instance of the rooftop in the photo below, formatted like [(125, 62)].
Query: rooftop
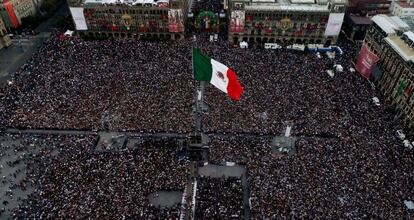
[(405, 4), (410, 35), (389, 24), (302, 1), (409, 21), (160, 3), (406, 52), (360, 20)]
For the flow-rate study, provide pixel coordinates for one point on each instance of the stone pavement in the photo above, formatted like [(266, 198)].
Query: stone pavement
[(13, 57), (165, 198)]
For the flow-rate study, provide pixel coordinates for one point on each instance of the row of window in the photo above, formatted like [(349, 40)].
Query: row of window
[(291, 16), (126, 11)]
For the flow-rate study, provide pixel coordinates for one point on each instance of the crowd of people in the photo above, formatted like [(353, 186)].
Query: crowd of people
[(333, 178), (103, 85), (148, 87), (69, 180), (348, 163), (219, 198), (205, 5)]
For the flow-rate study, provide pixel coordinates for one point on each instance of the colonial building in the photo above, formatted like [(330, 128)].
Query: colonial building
[(403, 8), (162, 19), (4, 39), (285, 21), (390, 41), (12, 11)]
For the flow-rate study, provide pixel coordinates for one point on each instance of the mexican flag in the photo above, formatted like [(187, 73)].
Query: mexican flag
[(222, 77)]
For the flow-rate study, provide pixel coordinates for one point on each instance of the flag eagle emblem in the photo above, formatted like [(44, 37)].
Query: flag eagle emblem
[(220, 75)]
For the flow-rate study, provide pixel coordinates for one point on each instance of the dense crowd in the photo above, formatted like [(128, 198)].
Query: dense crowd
[(348, 163), (206, 5), (219, 198), (144, 86), (110, 85), (333, 178), (69, 180)]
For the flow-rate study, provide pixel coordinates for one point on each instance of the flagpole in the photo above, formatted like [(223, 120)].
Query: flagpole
[(199, 98)]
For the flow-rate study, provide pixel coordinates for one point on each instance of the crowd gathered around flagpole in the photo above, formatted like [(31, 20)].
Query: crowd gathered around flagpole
[(349, 164)]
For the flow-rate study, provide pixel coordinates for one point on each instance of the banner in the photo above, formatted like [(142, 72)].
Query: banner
[(175, 20), (237, 22), (79, 19), (12, 15), (334, 24), (365, 61)]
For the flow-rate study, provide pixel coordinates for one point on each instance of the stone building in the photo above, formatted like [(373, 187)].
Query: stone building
[(285, 21), (4, 39), (12, 11), (162, 19), (389, 39), (403, 8)]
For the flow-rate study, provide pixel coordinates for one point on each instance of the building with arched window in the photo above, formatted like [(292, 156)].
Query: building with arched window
[(285, 21), (162, 19)]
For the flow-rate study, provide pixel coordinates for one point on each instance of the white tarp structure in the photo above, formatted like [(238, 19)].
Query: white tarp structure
[(409, 204), (68, 33), (300, 47), (334, 24), (330, 73), (78, 18), (338, 68), (272, 46), (244, 45)]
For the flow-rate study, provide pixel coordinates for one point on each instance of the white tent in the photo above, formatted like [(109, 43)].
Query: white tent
[(68, 33)]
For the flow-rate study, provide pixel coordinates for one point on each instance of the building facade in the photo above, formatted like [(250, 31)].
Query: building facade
[(403, 8), (393, 74), (4, 39), (285, 22), (164, 19), (12, 11)]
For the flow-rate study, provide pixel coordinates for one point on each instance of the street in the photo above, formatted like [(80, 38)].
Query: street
[(23, 47)]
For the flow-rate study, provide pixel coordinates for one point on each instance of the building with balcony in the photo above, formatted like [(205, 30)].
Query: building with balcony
[(149, 19), (391, 41), (285, 21)]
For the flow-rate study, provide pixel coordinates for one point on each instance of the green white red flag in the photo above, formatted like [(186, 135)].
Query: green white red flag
[(218, 74)]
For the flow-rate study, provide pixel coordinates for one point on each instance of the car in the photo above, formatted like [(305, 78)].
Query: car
[(400, 134)]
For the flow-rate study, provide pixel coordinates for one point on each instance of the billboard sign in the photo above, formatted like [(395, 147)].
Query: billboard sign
[(365, 61), (78, 18), (175, 20), (334, 24), (237, 21)]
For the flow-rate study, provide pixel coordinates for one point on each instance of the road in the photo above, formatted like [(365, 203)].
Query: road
[(23, 47)]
